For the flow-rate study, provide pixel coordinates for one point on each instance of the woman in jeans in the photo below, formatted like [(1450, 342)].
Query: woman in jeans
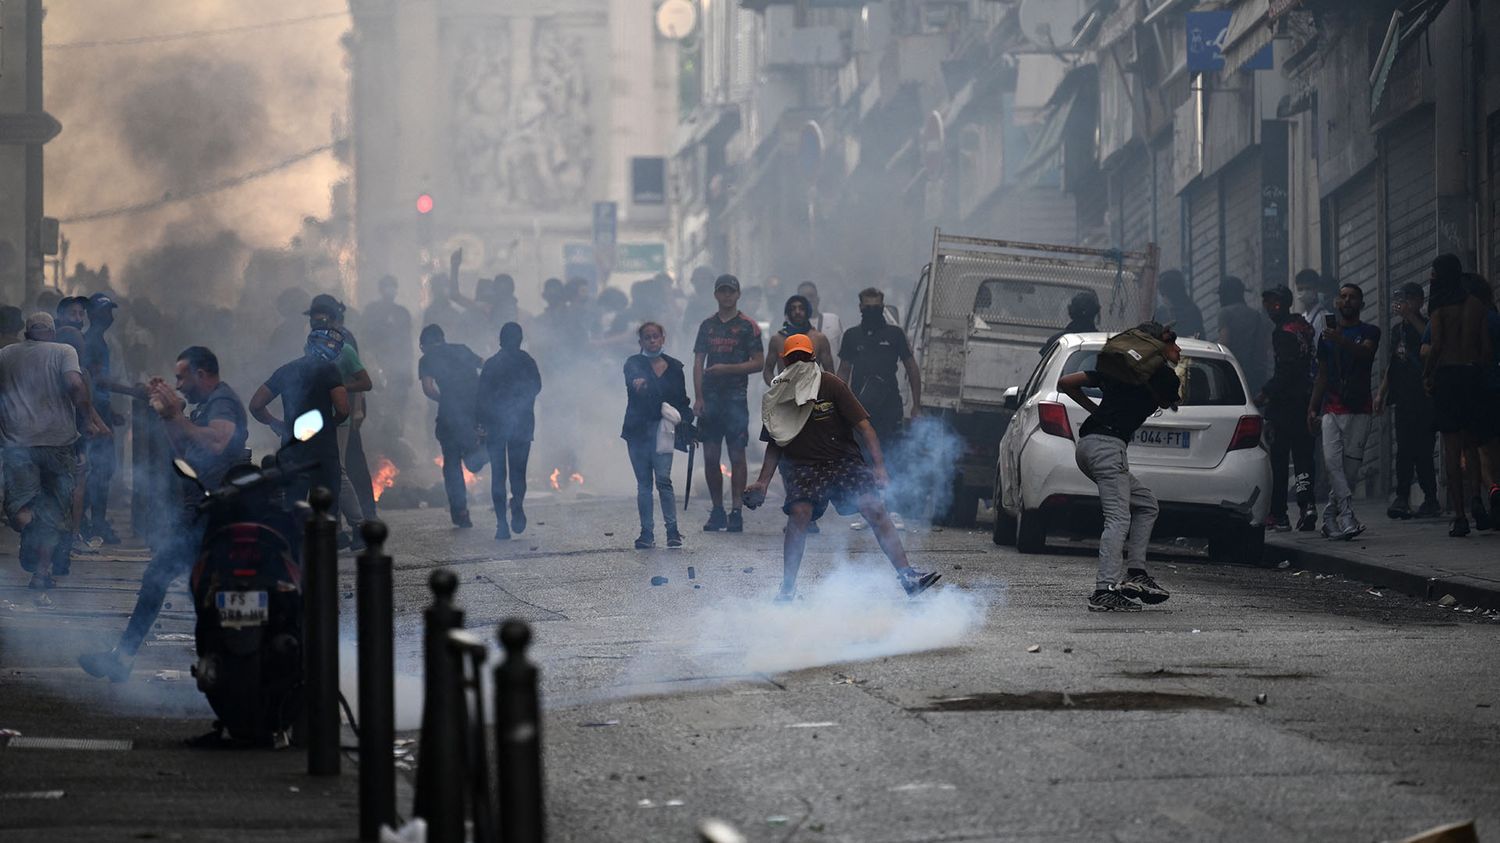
[(652, 380)]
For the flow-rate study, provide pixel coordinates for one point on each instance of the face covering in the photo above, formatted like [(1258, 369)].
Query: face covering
[(652, 354), (872, 317)]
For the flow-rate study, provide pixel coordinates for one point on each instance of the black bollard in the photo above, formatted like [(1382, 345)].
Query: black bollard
[(476, 759), (377, 685), (518, 739), (320, 559), (440, 766)]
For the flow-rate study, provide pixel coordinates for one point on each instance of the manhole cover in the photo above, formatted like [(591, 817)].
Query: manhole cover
[(1089, 701), (91, 744)]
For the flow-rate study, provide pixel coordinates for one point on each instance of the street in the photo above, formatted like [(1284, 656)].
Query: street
[(698, 698)]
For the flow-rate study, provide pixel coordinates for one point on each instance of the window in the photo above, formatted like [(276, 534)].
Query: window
[(1019, 301), (1211, 381)]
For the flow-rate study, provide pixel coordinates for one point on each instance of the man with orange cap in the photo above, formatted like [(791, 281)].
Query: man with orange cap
[(810, 420)]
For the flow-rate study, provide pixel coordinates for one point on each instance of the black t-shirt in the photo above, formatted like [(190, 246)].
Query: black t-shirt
[(735, 341), (873, 354), (305, 384), (95, 361), (455, 369), (222, 404), (1125, 407), (829, 432), (1405, 370)]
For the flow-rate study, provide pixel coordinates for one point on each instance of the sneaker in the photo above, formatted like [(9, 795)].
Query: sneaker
[(356, 541), (1308, 521), (1460, 528), (674, 538), (106, 533), (1111, 600), (105, 665), (1399, 510), (1139, 585), (1351, 532), (915, 582), (517, 518), (717, 520), (645, 541), (736, 522), (41, 582), (502, 533), (1481, 517), (461, 519), (1329, 532), (1430, 509), (1278, 524), (785, 595)]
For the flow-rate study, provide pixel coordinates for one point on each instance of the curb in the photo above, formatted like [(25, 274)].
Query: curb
[(1463, 589)]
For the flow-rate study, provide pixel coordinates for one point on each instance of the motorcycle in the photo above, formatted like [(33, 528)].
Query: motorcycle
[(247, 594)]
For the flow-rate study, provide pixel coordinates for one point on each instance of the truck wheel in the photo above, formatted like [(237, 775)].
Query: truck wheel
[(1031, 531), (1004, 532)]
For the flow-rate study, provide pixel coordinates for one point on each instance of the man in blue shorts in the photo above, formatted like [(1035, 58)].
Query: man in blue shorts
[(727, 351)]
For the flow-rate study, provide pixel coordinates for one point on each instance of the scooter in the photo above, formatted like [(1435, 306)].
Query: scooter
[(247, 593)]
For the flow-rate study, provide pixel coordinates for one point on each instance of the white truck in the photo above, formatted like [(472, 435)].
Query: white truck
[(978, 318)]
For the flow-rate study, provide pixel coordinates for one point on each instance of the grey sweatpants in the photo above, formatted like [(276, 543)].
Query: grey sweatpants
[(1129, 507)]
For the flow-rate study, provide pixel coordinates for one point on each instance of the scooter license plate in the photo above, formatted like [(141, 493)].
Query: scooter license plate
[(242, 608)]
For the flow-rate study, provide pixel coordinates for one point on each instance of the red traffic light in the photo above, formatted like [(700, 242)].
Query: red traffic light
[(424, 203)]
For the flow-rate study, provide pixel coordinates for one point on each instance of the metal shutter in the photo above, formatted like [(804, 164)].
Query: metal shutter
[(1493, 269), (1135, 199), (1203, 247), (1355, 241), (1242, 253), (1168, 210), (1410, 202)]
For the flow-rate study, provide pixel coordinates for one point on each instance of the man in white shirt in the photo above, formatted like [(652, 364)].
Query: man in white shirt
[(827, 324)]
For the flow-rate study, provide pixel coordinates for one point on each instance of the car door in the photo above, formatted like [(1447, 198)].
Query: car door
[(1022, 424)]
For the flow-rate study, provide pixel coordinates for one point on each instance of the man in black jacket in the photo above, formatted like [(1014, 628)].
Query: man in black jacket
[(1285, 397), (508, 387)]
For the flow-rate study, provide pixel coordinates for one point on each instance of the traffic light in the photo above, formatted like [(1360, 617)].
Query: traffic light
[(424, 203)]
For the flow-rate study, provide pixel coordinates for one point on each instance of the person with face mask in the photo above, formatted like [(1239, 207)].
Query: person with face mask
[(100, 450), (867, 362), (798, 312), (1285, 396), (828, 323), (1310, 285), (655, 399), (310, 382), (71, 312)]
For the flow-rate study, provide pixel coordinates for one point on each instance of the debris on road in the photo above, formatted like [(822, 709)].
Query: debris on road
[(845, 679), (170, 676), (658, 580), (1067, 649), (777, 820), (1373, 592), (1260, 699), (1448, 600), (747, 570), (609, 534), (1034, 648), (1284, 564), (811, 725), (600, 724), (692, 572)]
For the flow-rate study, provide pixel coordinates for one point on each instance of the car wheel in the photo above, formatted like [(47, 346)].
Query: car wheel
[(1004, 532), (1031, 531)]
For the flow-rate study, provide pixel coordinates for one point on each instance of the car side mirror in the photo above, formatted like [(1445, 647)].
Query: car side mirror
[(1012, 398)]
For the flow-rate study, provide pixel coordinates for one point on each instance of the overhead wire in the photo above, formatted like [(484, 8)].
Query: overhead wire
[(185, 36)]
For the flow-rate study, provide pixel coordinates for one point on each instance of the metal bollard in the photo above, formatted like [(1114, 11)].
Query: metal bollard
[(377, 685), (320, 559), (518, 739), (476, 758), (440, 766)]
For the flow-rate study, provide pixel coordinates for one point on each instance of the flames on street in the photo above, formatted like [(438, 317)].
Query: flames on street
[(470, 478), (384, 477), (554, 478)]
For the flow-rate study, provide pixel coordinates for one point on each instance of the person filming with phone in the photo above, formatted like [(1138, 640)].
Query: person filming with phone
[(1342, 405)]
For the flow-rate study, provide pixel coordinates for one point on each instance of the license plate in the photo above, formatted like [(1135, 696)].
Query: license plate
[(242, 608), (1160, 437)]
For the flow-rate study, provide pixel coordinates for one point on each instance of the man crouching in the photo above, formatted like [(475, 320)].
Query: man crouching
[(809, 419)]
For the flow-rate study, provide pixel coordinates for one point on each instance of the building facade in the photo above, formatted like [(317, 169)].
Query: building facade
[(24, 127)]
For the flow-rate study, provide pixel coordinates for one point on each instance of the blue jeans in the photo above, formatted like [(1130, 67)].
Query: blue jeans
[(172, 556), (652, 467)]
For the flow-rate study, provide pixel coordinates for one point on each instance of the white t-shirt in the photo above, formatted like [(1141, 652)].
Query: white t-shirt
[(35, 409), (832, 328)]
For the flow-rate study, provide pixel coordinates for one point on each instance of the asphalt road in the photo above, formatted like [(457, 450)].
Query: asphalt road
[(857, 715)]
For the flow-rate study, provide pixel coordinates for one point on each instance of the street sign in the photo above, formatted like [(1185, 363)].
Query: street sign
[(28, 127), (1206, 32), (605, 216), (648, 180), (629, 257)]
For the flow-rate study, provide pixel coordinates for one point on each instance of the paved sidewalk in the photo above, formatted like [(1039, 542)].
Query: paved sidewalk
[(145, 783), (1415, 557)]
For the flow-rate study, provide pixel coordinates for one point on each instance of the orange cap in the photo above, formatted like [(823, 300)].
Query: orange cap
[(797, 342)]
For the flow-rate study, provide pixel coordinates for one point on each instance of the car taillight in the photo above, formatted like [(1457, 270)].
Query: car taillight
[(1246, 433), (1054, 418)]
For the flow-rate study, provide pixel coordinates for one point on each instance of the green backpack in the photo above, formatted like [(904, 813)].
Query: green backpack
[(1133, 356)]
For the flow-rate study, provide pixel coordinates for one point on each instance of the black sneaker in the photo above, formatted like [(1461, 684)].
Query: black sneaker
[(1460, 528), (502, 534), (106, 665), (1308, 521), (717, 520), (461, 519), (737, 522), (1399, 510), (1430, 509), (1481, 518), (1110, 600), (1278, 524), (1139, 585), (645, 541), (517, 519), (915, 582), (674, 538)]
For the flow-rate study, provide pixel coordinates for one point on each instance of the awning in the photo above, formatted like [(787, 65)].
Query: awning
[(1249, 32), (1160, 8), (714, 123), (1407, 24), (1048, 144)]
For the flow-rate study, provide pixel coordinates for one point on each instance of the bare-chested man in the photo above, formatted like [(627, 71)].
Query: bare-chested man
[(1453, 372), (798, 312)]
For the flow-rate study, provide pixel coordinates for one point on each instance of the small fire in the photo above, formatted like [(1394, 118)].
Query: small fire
[(555, 478), (556, 472), (470, 478), (576, 478), (384, 477)]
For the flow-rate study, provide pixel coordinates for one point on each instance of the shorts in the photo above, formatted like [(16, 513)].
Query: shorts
[(1457, 399), (727, 419), (843, 482)]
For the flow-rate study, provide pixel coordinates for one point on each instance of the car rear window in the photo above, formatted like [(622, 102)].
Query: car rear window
[(1211, 381)]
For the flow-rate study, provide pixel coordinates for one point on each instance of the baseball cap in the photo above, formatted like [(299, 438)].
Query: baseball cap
[(99, 300), (795, 343), (40, 319), (1410, 290), (1280, 293), (324, 303), (726, 280)]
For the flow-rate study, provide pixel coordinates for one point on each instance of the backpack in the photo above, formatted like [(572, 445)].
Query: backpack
[(1132, 356)]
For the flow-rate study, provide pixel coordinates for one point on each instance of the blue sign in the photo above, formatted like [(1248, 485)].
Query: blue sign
[(1206, 32)]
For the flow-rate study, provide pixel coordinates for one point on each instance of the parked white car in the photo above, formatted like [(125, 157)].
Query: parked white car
[(1205, 462)]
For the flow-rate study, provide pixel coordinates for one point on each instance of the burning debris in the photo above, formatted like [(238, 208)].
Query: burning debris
[(385, 476), (555, 478)]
